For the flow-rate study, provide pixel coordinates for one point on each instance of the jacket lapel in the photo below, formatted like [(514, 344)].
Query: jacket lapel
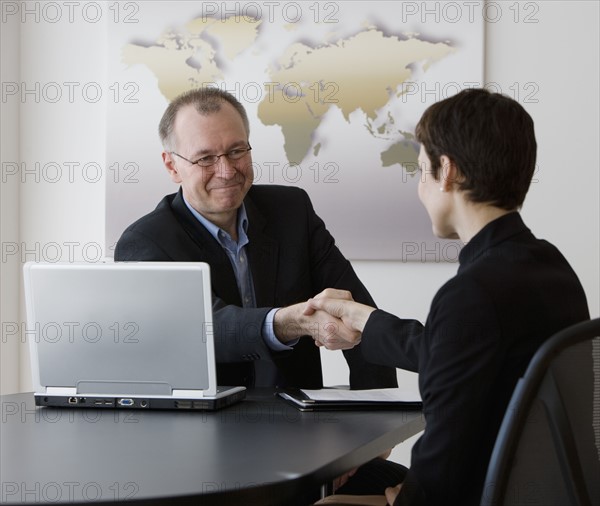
[(263, 255), (207, 249)]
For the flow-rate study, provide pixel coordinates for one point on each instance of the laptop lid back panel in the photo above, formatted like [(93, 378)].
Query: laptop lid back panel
[(141, 329)]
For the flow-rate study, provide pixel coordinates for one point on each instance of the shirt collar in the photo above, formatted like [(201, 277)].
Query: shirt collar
[(217, 232)]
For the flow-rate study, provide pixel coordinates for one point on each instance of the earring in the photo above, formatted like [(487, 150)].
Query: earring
[(442, 189)]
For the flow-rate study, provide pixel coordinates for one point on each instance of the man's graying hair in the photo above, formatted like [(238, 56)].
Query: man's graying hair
[(206, 101)]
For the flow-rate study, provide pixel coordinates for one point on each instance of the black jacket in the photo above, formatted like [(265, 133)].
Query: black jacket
[(511, 293)]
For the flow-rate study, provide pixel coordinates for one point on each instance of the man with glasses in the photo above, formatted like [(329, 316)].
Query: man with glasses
[(268, 250)]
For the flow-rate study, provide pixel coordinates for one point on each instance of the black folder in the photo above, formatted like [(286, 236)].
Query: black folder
[(331, 399)]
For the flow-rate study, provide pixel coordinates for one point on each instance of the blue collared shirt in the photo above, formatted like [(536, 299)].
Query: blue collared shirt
[(236, 252)]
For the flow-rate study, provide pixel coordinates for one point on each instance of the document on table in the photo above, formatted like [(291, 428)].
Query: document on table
[(335, 398)]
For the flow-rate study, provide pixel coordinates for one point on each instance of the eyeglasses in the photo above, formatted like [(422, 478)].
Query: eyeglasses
[(209, 160)]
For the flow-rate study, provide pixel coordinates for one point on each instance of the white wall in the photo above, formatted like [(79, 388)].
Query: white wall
[(9, 207), (556, 58), (58, 212)]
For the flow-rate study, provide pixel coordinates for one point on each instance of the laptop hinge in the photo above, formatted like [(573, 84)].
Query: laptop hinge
[(188, 393), (61, 390)]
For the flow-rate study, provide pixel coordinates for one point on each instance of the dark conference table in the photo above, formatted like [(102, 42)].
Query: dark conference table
[(260, 451)]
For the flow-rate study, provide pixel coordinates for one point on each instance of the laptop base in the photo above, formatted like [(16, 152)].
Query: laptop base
[(226, 396)]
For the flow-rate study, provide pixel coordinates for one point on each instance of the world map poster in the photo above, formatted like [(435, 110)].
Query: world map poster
[(333, 91)]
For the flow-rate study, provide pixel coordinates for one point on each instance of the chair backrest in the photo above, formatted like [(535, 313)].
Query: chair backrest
[(547, 451)]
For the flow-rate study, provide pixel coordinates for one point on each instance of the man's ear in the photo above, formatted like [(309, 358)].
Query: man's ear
[(170, 166), (449, 175)]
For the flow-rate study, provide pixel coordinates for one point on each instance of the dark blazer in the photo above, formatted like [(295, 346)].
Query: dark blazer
[(511, 293), (292, 257)]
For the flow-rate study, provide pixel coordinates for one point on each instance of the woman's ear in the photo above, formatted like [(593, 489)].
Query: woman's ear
[(449, 175)]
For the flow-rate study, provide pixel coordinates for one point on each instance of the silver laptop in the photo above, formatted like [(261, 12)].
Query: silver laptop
[(123, 335)]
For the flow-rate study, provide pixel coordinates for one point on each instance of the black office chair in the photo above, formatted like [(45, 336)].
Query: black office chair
[(548, 448)]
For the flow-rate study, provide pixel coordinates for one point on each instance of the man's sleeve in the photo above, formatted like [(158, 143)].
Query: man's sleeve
[(238, 332)]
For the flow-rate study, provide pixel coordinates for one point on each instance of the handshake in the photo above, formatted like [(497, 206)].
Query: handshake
[(332, 318)]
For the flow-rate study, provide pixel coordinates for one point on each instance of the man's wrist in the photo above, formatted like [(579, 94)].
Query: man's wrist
[(270, 337), (286, 324)]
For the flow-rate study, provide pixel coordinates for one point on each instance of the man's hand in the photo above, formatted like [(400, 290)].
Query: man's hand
[(295, 321), (340, 305)]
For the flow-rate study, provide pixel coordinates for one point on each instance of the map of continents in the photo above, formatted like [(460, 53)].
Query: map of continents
[(361, 72)]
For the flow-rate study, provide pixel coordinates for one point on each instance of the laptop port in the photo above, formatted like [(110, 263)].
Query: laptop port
[(183, 404), (125, 402), (72, 400)]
